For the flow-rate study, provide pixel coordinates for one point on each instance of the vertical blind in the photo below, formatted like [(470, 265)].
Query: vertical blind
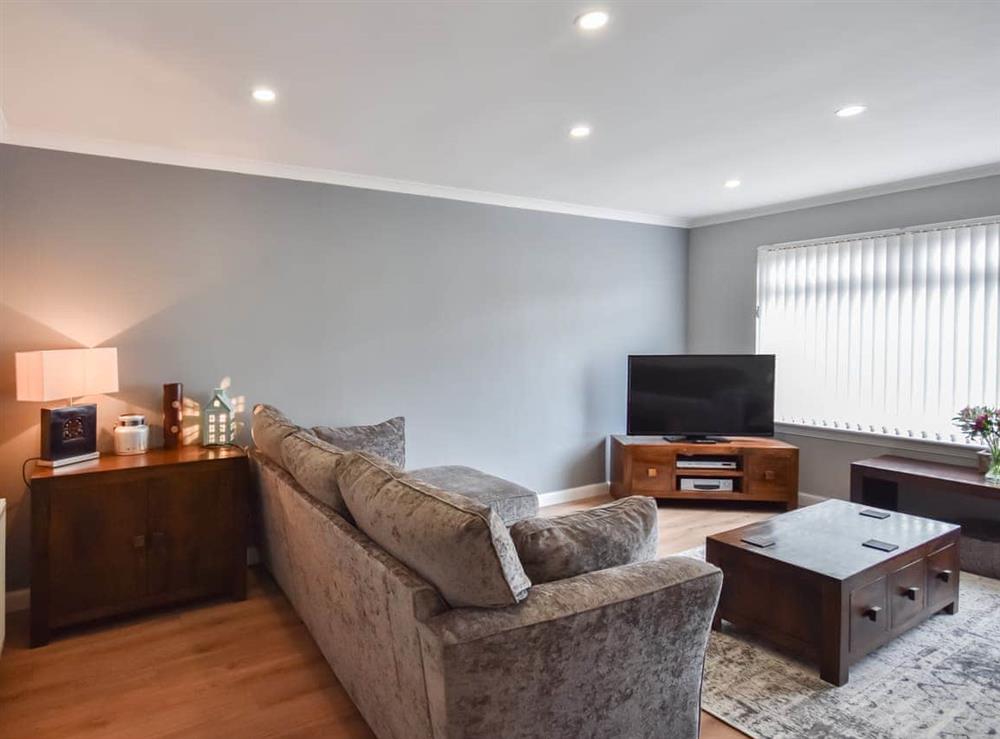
[(889, 332)]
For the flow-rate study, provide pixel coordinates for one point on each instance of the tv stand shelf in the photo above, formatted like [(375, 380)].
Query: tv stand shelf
[(766, 469)]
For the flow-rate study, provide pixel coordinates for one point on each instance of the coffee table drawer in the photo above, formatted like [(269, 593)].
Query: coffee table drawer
[(942, 576), (869, 615), (907, 590)]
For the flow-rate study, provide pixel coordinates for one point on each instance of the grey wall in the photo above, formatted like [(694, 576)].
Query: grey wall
[(722, 287), (500, 334)]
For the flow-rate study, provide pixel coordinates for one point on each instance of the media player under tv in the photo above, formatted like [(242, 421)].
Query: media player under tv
[(707, 484)]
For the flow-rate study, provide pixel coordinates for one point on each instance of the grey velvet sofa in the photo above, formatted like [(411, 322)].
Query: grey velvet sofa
[(612, 653)]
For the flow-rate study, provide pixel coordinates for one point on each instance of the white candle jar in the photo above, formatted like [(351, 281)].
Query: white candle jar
[(131, 434)]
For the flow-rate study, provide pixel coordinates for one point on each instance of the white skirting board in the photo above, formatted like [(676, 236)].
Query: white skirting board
[(596, 490)]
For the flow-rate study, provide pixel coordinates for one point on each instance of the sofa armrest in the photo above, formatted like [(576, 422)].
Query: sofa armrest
[(619, 652)]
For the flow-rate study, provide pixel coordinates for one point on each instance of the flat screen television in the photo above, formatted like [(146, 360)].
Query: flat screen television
[(701, 396)]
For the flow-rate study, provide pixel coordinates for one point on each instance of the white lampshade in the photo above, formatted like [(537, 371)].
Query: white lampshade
[(66, 373)]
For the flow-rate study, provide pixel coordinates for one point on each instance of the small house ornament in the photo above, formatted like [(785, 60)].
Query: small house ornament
[(218, 425)]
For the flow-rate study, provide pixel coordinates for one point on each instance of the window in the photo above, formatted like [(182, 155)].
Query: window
[(889, 332)]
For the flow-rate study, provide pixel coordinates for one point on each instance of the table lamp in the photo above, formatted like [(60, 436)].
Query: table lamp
[(69, 432)]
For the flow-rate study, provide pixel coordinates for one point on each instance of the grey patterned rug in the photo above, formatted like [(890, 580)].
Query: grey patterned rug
[(941, 679)]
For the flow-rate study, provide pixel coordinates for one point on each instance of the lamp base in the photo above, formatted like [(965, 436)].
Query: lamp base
[(69, 434), (68, 460)]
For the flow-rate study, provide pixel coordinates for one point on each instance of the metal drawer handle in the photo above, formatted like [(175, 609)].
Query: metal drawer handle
[(872, 613), (944, 575), (911, 593), (651, 472), (769, 475), (139, 542)]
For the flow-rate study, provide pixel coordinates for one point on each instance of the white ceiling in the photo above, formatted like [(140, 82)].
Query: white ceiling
[(474, 99)]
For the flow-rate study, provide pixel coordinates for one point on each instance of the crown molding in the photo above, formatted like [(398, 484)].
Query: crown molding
[(888, 188), (181, 158)]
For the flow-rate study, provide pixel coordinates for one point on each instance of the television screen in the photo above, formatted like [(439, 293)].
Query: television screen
[(701, 395)]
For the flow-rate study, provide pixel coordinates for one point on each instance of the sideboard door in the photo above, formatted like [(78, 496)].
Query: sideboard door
[(192, 524), (97, 549)]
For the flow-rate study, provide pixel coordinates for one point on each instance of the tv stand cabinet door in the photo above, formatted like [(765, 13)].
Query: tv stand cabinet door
[(653, 470), (653, 478), (772, 474)]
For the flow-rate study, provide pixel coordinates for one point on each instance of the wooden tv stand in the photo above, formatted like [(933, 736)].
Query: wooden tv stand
[(766, 469)]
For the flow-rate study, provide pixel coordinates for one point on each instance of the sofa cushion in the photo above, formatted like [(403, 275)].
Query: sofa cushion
[(313, 463), (386, 439), (611, 535), (457, 544), (269, 427), (511, 501)]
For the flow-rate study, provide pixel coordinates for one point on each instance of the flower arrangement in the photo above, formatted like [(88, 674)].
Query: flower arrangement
[(980, 422)]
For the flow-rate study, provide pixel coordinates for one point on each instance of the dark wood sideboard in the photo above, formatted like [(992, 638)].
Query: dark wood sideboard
[(890, 481), (945, 492), (126, 533), (764, 469)]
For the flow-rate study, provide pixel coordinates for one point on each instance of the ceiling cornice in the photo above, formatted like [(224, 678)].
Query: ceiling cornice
[(888, 188), (181, 158)]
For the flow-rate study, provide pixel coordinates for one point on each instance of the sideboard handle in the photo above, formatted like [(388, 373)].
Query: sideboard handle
[(769, 474), (872, 613), (651, 472), (944, 575), (911, 593), (139, 542)]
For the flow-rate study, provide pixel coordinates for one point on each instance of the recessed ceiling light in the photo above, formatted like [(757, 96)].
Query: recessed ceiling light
[(580, 131), (264, 95), (851, 110), (732, 183), (593, 20)]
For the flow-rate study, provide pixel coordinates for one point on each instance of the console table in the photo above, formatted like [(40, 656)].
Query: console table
[(945, 492), (748, 469)]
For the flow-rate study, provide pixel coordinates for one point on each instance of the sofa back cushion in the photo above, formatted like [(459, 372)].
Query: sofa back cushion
[(269, 427), (313, 463), (386, 439), (460, 546), (611, 535)]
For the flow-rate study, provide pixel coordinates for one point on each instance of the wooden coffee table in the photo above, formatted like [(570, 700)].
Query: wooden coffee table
[(818, 592)]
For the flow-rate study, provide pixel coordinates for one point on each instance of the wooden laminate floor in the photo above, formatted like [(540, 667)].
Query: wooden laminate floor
[(246, 670)]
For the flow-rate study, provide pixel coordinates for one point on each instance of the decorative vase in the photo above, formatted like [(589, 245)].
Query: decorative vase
[(993, 470), (982, 423)]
